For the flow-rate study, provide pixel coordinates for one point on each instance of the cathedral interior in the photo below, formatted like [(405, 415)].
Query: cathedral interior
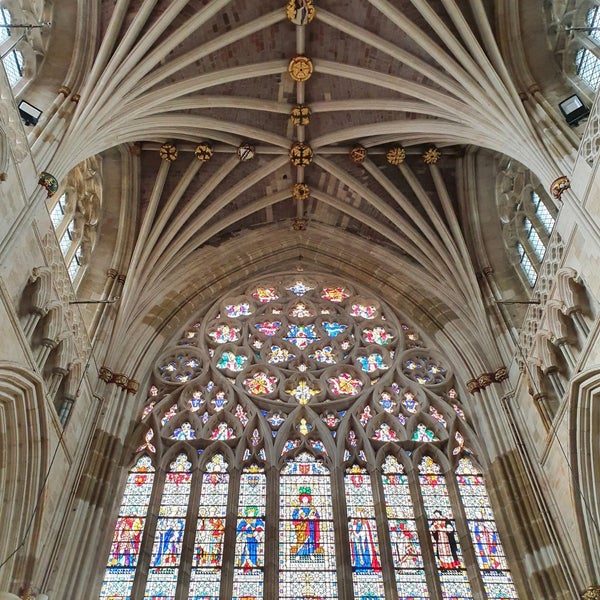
[(299, 299)]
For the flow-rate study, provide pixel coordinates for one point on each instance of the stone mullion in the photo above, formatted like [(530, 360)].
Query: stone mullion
[(271, 567), (464, 537), (383, 535), (228, 560), (145, 555), (189, 536), (427, 552), (343, 559)]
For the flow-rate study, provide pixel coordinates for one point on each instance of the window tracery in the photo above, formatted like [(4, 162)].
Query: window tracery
[(13, 60), (75, 215), (327, 386)]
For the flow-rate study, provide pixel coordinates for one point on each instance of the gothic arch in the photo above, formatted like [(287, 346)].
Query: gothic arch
[(24, 451), (584, 423)]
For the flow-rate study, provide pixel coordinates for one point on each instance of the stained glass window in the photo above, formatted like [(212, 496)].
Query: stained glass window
[(13, 61), (362, 528), (127, 538), (168, 538), (248, 502), (250, 535), (406, 550), (440, 520), (482, 526), (306, 531), (210, 531)]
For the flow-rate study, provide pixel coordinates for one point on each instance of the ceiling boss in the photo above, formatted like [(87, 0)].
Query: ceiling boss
[(300, 12)]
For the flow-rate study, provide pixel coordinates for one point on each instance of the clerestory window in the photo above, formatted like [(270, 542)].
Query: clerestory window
[(300, 431), (587, 59), (13, 61)]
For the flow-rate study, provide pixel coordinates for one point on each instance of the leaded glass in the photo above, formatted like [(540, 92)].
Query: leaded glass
[(306, 530), (362, 528), (406, 549), (440, 520), (127, 538), (205, 578), (317, 401), (166, 550), (482, 526)]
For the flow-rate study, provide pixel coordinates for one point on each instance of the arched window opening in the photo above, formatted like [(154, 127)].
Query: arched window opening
[(543, 214), (127, 538), (352, 415), (587, 61), (168, 537), (75, 213), (527, 265), (13, 61)]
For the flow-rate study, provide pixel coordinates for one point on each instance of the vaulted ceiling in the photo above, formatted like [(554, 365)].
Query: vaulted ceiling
[(424, 78)]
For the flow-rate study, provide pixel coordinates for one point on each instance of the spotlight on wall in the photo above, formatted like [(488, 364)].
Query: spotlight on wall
[(29, 113), (573, 110)]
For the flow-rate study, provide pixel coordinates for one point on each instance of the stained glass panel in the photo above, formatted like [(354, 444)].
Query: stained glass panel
[(482, 526), (127, 538), (250, 536), (166, 550), (205, 580), (362, 527), (406, 549), (440, 520), (306, 531)]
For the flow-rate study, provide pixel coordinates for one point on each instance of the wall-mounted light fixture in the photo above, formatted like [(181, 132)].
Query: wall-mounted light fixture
[(573, 110), (29, 113)]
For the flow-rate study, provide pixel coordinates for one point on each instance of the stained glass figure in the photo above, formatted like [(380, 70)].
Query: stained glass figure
[(306, 532), (384, 433), (436, 501), (406, 549), (344, 384), (300, 311), (219, 401), (422, 434), (372, 362), (265, 294), (260, 383), (410, 403), (303, 391), (387, 402), (364, 311), (482, 526), (300, 288), (277, 354), (168, 538), (377, 335), (333, 329), (324, 355), (365, 415), (362, 529), (127, 538), (222, 432), (241, 414), (184, 432), (250, 535), (334, 294), (232, 361), (241, 309), (224, 333), (268, 328), (210, 530), (302, 335), (196, 401)]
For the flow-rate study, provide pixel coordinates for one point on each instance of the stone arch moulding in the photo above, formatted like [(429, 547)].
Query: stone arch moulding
[(24, 452), (584, 415)]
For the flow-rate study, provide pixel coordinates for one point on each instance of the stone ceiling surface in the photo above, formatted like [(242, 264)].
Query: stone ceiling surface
[(404, 74)]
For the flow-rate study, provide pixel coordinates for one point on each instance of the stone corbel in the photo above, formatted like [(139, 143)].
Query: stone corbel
[(484, 380)]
